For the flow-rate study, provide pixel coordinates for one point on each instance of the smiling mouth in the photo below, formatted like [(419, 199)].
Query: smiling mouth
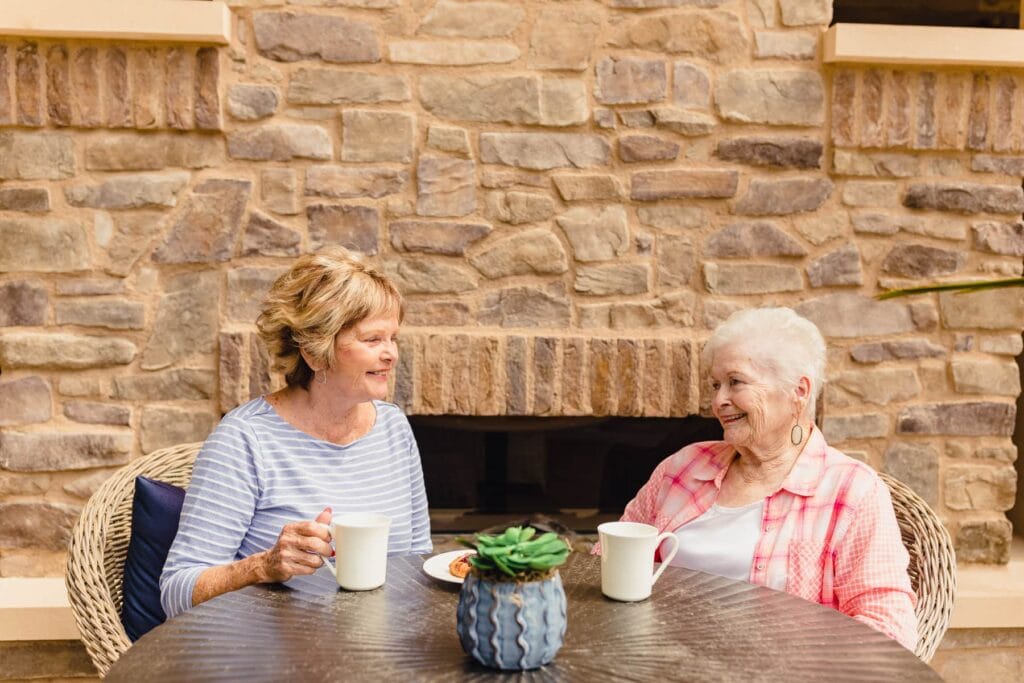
[(383, 374), (732, 419)]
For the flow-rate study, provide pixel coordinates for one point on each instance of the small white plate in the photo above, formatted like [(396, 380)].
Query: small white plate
[(437, 566)]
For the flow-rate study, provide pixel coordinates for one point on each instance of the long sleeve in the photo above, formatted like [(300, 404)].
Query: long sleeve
[(871, 581), (216, 514), (420, 519)]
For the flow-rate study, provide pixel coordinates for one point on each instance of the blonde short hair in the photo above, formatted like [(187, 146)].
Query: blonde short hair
[(781, 342), (321, 295)]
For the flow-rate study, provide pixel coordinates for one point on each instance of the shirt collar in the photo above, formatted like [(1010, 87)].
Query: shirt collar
[(809, 467), (802, 480)]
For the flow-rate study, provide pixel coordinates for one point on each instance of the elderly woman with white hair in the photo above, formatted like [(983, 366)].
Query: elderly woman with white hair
[(772, 503)]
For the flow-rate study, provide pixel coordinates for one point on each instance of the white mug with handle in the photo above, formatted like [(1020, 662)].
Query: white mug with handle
[(360, 550), (627, 559)]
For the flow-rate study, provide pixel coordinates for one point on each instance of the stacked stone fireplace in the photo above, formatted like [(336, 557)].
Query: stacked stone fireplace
[(571, 196)]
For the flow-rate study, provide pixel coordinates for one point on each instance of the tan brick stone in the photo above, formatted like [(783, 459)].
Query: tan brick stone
[(46, 245), (36, 525), (346, 183), (819, 229), (207, 228), (806, 12), (681, 391), (603, 382), (28, 85), (168, 385), (563, 38), (179, 74), (978, 115), (924, 137), (628, 362), (145, 86), (630, 80), (278, 190), (999, 238), (109, 313), (870, 193), (436, 237), (655, 381), (958, 419), (486, 98), (377, 135), (880, 387), (489, 389), (784, 45), (683, 184), (516, 368), (350, 225), (451, 53), (116, 100), (672, 217), (282, 142), (24, 401), (545, 389), (721, 278), (965, 197), (994, 309), (765, 197), (460, 377), (714, 35), (684, 121), (476, 19), (92, 412), (745, 240), (574, 188), (24, 199), (36, 156), (838, 268), (251, 102), (445, 139), (289, 37), (596, 233), (445, 186), (840, 428), (544, 151), (414, 277), (6, 98), (880, 164), (1007, 345), (563, 102), (445, 313), (917, 466), (781, 97), (58, 82), (166, 426), (1003, 128), (899, 109), (853, 315), (534, 251), (616, 278), (952, 115), (186, 320), (42, 452), (23, 303), (641, 148), (519, 207), (330, 86), (971, 487), (984, 541), (986, 377), (844, 112), (922, 261)]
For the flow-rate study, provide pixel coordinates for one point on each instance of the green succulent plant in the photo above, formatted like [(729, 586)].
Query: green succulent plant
[(517, 553)]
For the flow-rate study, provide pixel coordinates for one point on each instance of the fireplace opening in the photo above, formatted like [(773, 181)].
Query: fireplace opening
[(579, 471)]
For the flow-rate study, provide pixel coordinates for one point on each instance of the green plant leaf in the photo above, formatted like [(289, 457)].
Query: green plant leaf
[(961, 287)]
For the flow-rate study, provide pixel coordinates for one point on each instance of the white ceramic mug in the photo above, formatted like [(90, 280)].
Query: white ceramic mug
[(627, 559), (360, 550)]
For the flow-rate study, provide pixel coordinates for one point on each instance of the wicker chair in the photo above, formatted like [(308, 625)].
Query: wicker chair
[(99, 543), (932, 564)]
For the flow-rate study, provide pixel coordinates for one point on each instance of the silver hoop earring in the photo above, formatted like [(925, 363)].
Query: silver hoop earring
[(796, 434), (321, 381)]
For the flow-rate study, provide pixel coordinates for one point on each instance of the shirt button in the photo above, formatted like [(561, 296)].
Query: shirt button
[(760, 565)]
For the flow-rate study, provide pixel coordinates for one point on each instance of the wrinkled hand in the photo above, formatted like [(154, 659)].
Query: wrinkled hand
[(299, 550)]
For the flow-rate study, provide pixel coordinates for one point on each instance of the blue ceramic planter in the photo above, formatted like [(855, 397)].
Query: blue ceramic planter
[(509, 625)]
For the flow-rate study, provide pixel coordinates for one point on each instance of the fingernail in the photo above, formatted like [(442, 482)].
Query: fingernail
[(332, 553)]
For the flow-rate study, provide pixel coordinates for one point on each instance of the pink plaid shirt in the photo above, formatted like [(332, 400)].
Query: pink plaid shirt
[(828, 535)]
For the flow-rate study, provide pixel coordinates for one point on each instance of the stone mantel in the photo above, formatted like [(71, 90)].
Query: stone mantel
[(923, 45), (180, 21)]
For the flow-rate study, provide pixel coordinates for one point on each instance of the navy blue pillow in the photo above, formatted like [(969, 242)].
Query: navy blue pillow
[(155, 512)]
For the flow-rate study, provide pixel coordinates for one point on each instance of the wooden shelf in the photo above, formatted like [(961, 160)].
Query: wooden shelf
[(924, 45), (180, 21)]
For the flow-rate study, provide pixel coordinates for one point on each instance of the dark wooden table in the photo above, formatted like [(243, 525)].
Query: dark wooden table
[(695, 627)]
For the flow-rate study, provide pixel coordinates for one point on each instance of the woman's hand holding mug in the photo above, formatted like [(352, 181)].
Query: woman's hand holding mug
[(299, 550)]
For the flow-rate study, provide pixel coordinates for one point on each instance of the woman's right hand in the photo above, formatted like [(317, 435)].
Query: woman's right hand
[(299, 550)]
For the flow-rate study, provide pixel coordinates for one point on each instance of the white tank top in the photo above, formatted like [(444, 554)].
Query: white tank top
[(721, 541)]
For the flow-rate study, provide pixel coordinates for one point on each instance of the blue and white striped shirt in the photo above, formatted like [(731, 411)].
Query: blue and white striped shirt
[(256, 473)]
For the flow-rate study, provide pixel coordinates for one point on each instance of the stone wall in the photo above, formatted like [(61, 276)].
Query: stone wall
[(571, 194)]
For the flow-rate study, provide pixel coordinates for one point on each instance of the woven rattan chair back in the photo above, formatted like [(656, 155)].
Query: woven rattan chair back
[(99, 544), (932, 564)]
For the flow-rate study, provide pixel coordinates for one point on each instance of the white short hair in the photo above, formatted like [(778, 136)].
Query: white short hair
[(786, 345)]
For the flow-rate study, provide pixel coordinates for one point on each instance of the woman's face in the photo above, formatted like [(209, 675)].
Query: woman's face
[(755, 412), (364, 358)]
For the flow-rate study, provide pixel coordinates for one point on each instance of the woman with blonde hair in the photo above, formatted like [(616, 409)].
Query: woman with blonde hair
[(772, 503), (275, 469)]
